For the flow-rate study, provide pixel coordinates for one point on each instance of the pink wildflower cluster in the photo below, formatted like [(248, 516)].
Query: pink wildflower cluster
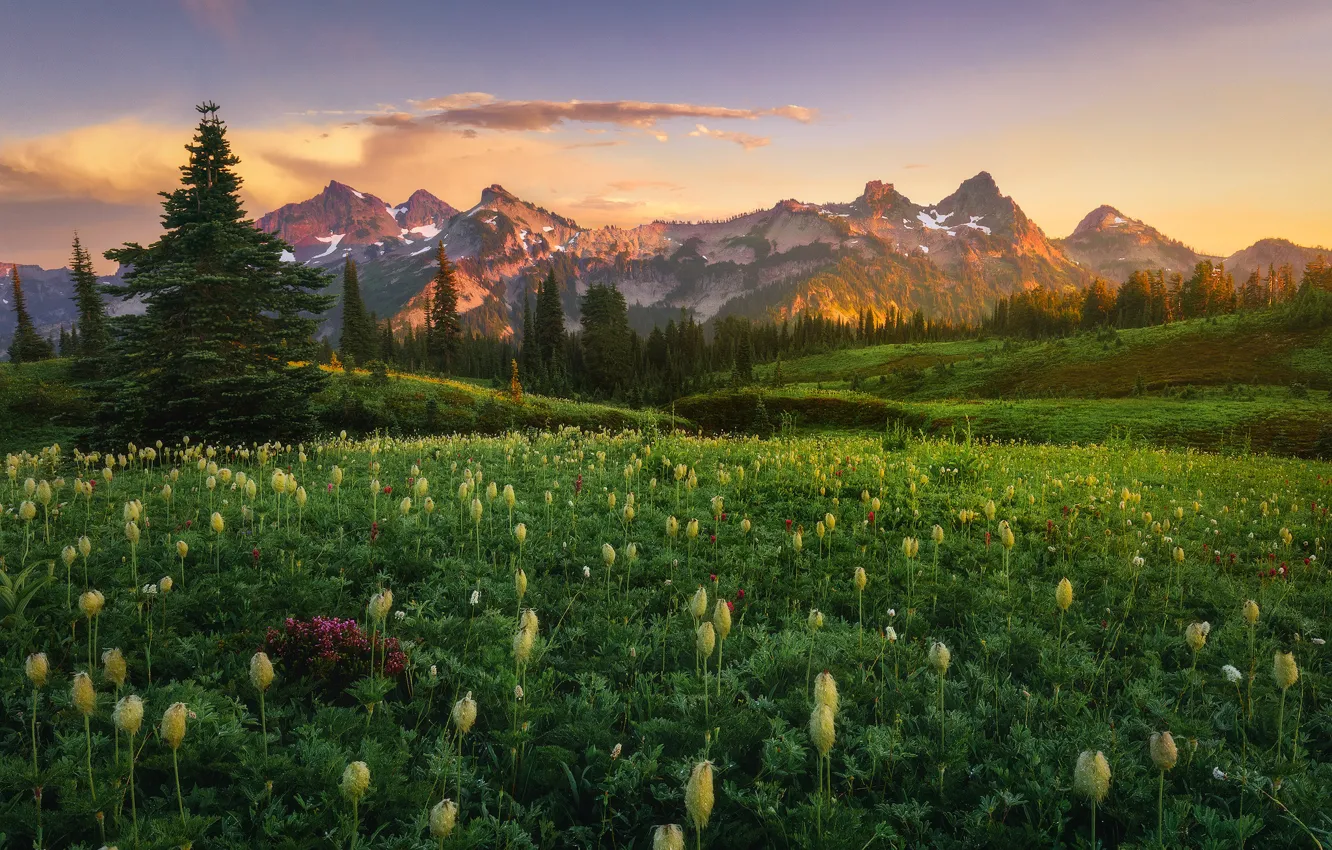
[(331, 649)]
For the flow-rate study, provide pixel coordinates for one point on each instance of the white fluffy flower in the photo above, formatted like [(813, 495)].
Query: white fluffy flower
[(476, 597), (1218, 774), (1233, 675)]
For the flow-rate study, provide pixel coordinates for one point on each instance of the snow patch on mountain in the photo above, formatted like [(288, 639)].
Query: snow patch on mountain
[(332, 241)]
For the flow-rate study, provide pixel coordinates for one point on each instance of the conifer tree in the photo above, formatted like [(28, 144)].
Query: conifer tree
[(92, 329), (27, 345), (445, 328), (548, 325), (225, 347), (359, 337), (744, 357)]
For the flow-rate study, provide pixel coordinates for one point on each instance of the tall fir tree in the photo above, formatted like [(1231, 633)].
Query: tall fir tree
[(27, 345), (606, 340), (90, 350), (445, 328), (359, 338), (744, 357), (548, 325), (225, 349)]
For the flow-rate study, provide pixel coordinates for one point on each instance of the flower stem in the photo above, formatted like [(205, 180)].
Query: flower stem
[(180, 801)]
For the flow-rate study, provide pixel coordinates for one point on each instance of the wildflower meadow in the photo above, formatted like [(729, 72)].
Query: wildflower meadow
[(634, 640)]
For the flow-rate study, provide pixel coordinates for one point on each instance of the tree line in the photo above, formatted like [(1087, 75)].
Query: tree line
[(1151, 297)]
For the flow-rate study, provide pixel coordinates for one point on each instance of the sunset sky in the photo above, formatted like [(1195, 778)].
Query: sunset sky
[(1209, 120)]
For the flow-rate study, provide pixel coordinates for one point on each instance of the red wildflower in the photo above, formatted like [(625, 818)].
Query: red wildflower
[(740, 594), (713, 577), (388, 490), (730, 606), (788, 525), (255, 554)]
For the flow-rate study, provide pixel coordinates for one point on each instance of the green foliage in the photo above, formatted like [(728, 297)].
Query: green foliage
[(225, 346), (613, 714), (93, 339), (358, 339), (27, 346), (443, 331)]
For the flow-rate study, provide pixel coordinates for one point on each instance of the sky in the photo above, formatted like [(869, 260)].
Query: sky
[(1207, 119)]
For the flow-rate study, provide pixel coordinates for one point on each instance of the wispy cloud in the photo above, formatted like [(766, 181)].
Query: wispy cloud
[(220, 16), (744, 140), (484, 111)]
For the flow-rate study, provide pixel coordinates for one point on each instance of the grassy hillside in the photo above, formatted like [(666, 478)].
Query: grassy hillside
[(1270, 421), (1252, 349), (40, 405), (1236, 383)]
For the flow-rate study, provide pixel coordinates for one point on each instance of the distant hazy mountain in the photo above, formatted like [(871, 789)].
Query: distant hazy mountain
[(1110, 244), (1273, 253), (881, 252)]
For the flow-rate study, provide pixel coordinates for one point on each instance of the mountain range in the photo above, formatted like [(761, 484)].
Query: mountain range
[(882, 251)]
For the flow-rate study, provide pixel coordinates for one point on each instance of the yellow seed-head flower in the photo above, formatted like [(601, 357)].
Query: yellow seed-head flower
[(815, 619), (608, 554), (27, 511), (1251, 612), (128, 714), (182, 549), (1284, 670), (691, 530), (261, 671), (443, 817), (380, 605), (85, 546), (114, 669), (520, 583), (405, 506), (940, 657), (301, 497), (37, 668), (91, 603), (698, 795), (44, 494), (68, 554), (672, 526), (476, 511), (1091, 777), (1196, 635), (937, 534), (132, 533), (821, 729), (522, 646), (173, 724), (509, 497), (217, 523), (337, 476), (705, 639), (698, 605), (165, 584), (1163, 750), (825, 690), (82, 694), (356, 780), (721, 619), (1064, 594), (492, 491), (668, 837), (528, 622), (30, 488), (464, 714), (861, 579)]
